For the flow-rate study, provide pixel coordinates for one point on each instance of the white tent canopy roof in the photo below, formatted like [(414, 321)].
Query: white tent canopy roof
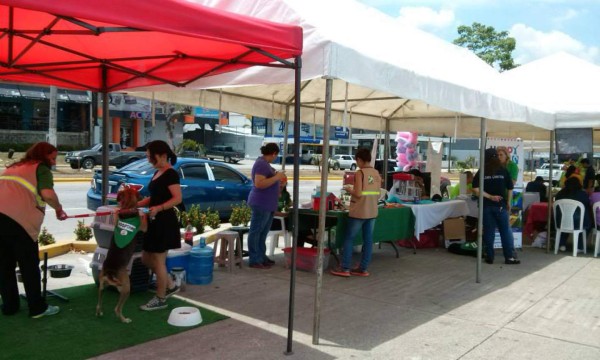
[(418, 81), (561, 84)]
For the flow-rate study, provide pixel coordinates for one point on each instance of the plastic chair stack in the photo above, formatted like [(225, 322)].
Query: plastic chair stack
[(595, 232), (567, 224), (274, 235)]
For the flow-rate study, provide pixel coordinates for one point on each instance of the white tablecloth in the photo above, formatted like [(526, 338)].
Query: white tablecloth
[(528, 199), (430, 215)]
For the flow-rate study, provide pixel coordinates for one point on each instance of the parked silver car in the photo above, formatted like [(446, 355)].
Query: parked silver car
[(345, 161)]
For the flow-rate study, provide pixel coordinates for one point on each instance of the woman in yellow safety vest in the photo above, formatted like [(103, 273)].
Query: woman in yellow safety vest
[(25, 188)]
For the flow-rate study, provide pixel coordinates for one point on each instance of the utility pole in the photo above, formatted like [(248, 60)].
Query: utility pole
[(52, 116)]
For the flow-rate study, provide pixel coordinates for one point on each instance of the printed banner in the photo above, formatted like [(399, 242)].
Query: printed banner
[(514, 148)]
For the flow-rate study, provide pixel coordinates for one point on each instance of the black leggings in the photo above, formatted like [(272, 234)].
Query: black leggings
[(16, 246)]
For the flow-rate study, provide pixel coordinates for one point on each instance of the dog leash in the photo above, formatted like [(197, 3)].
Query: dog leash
[(101, 213)]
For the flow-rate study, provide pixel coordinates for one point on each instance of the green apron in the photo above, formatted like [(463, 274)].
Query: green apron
[(126, 230)]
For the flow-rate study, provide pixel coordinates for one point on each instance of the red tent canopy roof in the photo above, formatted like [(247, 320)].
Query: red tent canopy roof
[(140, 43)]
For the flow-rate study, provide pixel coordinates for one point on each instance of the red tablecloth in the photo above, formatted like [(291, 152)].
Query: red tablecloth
[(537, 214)]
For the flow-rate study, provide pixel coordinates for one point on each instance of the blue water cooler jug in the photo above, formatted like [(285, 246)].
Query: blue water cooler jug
[(200, 266)]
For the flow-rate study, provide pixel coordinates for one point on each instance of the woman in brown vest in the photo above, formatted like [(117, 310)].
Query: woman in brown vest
[(363, 211), (25, 188)]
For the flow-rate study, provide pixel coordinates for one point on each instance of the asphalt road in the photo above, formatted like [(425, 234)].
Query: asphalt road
[(72, 196)]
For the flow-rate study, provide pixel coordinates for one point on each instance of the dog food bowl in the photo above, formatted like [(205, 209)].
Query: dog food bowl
[(185, 316), (60, 271)]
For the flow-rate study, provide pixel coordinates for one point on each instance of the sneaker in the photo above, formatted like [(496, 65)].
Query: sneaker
[(51, 310), (338, 271), (562, 248), (174, 290), (268, 261), (489, 261), (260, 266), (155, 303), (359, 272), (512, 261)]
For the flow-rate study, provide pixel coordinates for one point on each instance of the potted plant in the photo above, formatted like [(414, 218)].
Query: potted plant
[(82, 232), (212, 219), (194, 217), (45, 238), (240, 214)]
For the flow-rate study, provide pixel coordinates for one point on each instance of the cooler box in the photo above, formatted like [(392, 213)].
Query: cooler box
[(179, 257), (103, 226), (306, 258)]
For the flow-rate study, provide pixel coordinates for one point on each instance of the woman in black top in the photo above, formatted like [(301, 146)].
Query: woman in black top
[(497, 194), (163, 229)]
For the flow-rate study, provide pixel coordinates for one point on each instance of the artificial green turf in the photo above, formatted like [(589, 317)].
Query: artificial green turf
[(76, 333)]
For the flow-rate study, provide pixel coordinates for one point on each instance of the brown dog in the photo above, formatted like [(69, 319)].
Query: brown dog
[(129, 224)]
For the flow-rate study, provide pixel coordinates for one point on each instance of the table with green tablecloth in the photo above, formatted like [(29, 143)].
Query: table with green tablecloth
[(392, 224)]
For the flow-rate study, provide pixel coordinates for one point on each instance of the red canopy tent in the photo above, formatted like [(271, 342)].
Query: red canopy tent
[(140, 43), (110, 45)]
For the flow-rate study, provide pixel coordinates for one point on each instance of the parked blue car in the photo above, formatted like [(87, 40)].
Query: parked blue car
[(204, 182)]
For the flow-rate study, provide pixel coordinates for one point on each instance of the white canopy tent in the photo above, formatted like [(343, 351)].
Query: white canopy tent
[(363, 62), (419, 82), (562, 84)]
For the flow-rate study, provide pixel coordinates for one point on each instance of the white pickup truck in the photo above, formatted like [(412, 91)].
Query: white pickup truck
[(544, 171)]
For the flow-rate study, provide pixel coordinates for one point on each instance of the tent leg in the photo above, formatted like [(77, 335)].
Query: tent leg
[(105, 122), (295, 201), (483, 143), (322, 209)]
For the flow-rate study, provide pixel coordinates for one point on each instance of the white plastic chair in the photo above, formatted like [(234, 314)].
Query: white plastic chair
[(595, 232), (567, 209), (274, 235)]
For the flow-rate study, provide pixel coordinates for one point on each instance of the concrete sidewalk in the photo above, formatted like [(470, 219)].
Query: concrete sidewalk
[(423, 306)]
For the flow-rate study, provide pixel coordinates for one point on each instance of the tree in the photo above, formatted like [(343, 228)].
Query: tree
[(495, 48)]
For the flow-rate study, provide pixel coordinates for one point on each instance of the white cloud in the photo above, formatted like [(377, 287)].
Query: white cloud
[(569, 15), (424, 17), (533, 44)]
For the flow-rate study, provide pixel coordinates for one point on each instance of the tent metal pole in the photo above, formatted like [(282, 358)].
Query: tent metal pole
[(105, 123), (286, 131), (322, 209), (386, 153), (483, 144), (550, 199), (295, 201)]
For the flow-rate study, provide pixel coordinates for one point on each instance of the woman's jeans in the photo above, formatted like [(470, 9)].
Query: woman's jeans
[(497, 217), (260, 225), (353, 226)]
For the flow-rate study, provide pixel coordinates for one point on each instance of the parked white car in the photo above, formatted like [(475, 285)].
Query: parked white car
[(345, 161), (544, 171)]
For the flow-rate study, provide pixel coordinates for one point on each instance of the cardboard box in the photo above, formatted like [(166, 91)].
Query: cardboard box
[(454, 230)]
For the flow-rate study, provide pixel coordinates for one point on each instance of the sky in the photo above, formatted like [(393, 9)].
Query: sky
[(540, 27)]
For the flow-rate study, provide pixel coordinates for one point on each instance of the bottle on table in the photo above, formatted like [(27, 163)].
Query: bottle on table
[(188, 235)]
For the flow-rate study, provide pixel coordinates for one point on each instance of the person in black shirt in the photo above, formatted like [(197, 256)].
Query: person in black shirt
[(163, 228), (589, 177), (538, 186), (497, 193)]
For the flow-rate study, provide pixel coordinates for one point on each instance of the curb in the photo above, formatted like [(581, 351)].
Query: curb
[(72, 179), (289, 179)]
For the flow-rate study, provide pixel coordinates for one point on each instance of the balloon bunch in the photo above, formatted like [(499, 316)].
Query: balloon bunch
[(407, 150)]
